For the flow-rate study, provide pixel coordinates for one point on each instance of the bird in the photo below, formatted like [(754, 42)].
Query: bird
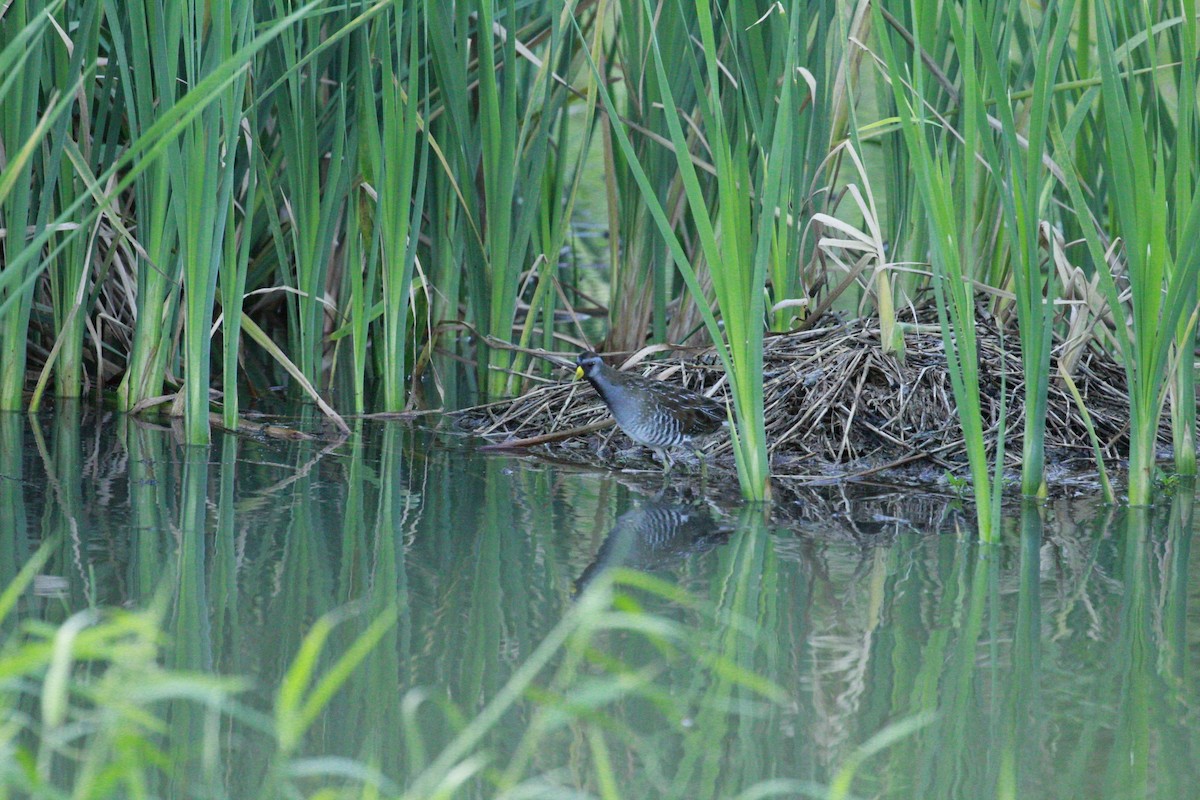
[(654, 413)]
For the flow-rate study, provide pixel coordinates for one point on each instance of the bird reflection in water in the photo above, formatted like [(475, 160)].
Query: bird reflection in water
[(652, 536)]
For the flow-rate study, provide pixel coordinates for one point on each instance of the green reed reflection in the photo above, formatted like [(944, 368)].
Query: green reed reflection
[(149, 485), (1070, 671), (14, 539), (736, 689), (397, 616), (61, 467), (188, 628), (1149, 719), (1021, 726)]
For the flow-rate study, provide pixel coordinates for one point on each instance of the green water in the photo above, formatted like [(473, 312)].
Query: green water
[(858, 647)]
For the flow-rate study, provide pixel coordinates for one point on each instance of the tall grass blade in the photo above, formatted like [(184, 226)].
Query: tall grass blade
[(316, 149), (1186, 169), (202, 181), (401, 169), (1161, 270), (1022, 184), (148, 85), (948, 191), (25, 183)]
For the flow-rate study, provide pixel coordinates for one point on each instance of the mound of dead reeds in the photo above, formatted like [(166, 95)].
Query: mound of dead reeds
[(838, 407)]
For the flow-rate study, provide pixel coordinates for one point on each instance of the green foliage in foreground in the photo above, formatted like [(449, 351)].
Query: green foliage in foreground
[(370, 194), (92, 711)]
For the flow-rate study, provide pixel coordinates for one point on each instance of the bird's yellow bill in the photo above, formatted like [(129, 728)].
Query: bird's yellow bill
[(578, 373)]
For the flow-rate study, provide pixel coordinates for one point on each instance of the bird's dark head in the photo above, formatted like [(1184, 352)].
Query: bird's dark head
[(587, 365)]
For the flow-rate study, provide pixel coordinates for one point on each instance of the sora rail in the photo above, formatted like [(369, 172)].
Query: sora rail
[(657, 414)]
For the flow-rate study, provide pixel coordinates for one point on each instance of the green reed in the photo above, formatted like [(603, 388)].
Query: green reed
[(399, 170), (825, 66), (167, 111), (1023, 189), (310, 167), (149, 85), (1185, 155), (202, 179), (375, 189), (1151, 191), (27, 43), (105, 703), (950, 191), (500, 109), (155, 98), (566, 170), (1155, 212), (643, 279), (235, 257), (738, 258), (71, 253), (360, 281)]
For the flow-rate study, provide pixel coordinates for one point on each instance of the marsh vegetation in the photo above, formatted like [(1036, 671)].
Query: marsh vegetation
[(961, 234), (371, 196)]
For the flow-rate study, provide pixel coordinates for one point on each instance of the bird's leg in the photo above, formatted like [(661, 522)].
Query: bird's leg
[(700, 454), (668, 462)]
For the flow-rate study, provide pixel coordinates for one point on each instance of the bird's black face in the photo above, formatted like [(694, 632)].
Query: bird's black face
[(587, 365)]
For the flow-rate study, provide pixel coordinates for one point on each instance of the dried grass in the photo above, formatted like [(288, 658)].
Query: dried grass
[(838, 408)]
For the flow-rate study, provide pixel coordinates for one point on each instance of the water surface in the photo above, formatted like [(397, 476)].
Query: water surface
[(874, 645)]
